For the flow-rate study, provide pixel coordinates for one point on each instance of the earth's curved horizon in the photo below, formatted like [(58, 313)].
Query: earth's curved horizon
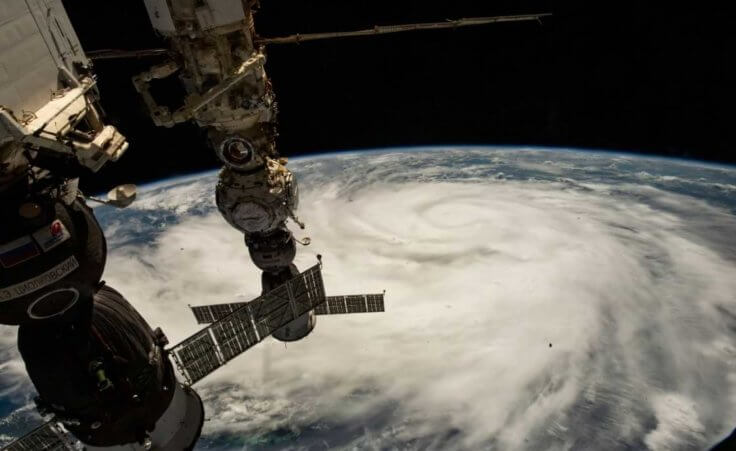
[(427, 148), (537, 298)]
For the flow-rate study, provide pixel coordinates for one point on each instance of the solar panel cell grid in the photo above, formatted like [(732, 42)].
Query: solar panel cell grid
[(321, 309), (375, 302), (44, 438), (198, 355), (272, 301), (274, 319), (337, 305), (301, 294), (233, 332), (220, 311), (234, 335), (203, 314), (355, 304)]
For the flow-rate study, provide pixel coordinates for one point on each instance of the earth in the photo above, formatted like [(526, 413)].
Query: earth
[(535, 299)]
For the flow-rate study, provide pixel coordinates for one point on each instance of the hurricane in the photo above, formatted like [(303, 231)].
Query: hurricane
[(535, 299)]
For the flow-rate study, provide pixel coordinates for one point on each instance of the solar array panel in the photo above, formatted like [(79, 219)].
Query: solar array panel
[(322, 308), (235, 334), (356, 303), (375, 302), (360, 303), (206, 314), (203, 314), (47, 437), (238, 327), (199, 356), (272, 310), (336, 305)]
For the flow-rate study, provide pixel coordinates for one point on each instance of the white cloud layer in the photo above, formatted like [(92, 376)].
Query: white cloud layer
[(521, 314)]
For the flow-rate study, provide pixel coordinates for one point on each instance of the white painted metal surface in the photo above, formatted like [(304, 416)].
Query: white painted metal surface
[(160, 16), (215, 13), (35, 38)]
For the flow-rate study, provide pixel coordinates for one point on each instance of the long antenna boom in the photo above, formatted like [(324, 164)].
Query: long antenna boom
[(104, 54), (387, 29)]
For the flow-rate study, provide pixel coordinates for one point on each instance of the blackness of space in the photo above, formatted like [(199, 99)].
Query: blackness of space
[(628, 76)]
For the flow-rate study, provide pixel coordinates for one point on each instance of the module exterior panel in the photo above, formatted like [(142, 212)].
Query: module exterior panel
[(36, 38)]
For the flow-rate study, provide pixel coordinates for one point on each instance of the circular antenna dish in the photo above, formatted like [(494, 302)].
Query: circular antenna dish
[(122, 196)]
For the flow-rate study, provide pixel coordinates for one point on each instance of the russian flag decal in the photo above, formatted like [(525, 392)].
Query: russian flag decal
[(18, 251)]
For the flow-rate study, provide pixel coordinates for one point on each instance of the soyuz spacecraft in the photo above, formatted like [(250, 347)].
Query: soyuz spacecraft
[(104, 377)]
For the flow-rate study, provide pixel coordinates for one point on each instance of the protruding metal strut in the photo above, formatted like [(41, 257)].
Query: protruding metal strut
[(386, 29), (107, 54)]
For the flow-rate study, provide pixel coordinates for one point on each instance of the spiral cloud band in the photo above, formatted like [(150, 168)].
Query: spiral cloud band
[(534, 300)]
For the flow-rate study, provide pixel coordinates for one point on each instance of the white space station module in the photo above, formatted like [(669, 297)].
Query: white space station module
[(104, 377)]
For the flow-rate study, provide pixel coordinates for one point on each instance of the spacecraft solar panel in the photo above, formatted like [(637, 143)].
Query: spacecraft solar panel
[(375, 302), (336, 305), (197, 355), (356, 303), (322, 308), (247, 324), (220, 311), (267, 322), (47, 437), (206, 314), (203, 314), (270, 309), (235, 334), (308, 292), (361, 303)]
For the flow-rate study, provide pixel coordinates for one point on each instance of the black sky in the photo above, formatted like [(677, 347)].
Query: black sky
[(622, 77)]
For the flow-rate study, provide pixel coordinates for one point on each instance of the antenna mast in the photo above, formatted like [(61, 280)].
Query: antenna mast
[(388, 29)]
